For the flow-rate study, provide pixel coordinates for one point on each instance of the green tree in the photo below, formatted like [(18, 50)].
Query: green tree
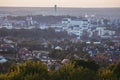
[(27, 71), (87, 64), (116, 69), (69, 72), (106, 74)]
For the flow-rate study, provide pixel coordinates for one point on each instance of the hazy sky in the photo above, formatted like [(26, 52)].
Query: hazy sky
[(61, 3)]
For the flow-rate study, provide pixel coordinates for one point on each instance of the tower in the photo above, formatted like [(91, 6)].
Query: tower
[(55, 9)]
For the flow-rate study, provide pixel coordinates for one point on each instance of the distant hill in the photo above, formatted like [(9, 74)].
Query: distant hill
[(98, 12)]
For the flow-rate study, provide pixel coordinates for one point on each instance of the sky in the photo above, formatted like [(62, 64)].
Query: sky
[(60, 3)]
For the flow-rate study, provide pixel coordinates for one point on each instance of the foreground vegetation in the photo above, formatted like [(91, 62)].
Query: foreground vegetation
[(76, 70)]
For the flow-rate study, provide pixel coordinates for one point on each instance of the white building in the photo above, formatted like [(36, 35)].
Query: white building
[(103, 32), (43, 27), (66, 21), (6, 25), (82, 23), (76, 26)]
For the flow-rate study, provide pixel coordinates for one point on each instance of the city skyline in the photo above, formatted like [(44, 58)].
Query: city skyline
[(60, 3)]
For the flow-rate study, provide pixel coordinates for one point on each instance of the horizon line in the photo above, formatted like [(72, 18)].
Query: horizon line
[(51, 7)]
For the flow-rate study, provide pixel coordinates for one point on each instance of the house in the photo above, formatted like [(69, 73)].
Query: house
[(58, 48), (65, 61), (2, 59)]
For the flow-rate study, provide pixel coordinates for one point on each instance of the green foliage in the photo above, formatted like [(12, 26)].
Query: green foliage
[(69, 72), (87, 64), (77, 70), (116, 69), (27, 71), (4, 67), (112, 72), (106, 74)]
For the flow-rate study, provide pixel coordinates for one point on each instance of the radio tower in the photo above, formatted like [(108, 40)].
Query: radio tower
[(55, 8)]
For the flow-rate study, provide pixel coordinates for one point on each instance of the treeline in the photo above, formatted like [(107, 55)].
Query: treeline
[(33, 33), (76, 70), (41, 18)]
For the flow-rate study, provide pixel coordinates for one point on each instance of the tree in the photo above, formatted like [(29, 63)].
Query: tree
[(27, 71), (87, 64), (106, 74), (69, 72), (116, 69)]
